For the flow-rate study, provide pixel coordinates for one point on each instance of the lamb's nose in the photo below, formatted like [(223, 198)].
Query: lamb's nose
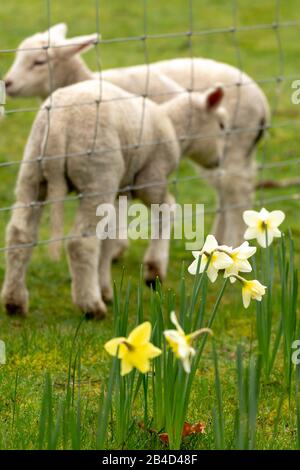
[(8, 83)]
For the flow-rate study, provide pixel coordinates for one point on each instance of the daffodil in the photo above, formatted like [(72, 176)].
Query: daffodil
[(240, 263), (181, 344), (215, 256), (263, 225), (251, 290), (134, 351)]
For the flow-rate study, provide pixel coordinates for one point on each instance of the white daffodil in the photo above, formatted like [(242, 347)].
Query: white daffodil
[(263, 225), (181, 344), (217, 256), (252, 290), (240, 263)]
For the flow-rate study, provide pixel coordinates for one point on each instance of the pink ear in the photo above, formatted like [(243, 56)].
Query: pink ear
[(214, 98), (78, 44), (86, 45)]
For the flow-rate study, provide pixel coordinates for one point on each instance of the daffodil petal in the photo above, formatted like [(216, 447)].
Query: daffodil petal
[(245, 251), (173, 335), (244, 266), (270, 236), (2, 353), (221, 260), (246, 294), (276, 218), (192, 269), (264, 214), (210, 244), (176, 323), (113, 346), (203, 264), (126, 367), (140, 362), (152, 351), (212, 273), (250, 233), (186, 363), (141, 334), (262, 240), (251, 218)]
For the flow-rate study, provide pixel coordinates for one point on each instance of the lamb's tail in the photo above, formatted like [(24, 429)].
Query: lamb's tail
[(57, 192)]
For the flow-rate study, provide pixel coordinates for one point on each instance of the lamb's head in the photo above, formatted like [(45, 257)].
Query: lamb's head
[(201, 122), (47, 61)]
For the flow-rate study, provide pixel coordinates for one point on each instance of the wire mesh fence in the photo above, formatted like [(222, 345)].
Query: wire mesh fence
[(280, 82)]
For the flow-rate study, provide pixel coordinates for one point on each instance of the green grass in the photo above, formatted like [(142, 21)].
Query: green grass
[(43, 342)]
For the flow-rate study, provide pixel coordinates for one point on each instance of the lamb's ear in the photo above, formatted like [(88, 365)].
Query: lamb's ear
[(214, 97), (58, 30), (79, 44)]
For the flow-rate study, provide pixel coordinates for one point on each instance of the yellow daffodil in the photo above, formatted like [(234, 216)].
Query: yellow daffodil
[(240, 263), (263, 225), (217, 256), (252, 290), (134, 351), (181, 344)]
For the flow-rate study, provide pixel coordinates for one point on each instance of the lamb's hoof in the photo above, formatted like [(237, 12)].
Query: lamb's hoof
[(15, 310), (152, 283), (89, 316), (153, 274), (97, 313)]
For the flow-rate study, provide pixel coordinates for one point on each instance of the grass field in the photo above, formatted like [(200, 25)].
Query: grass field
[(44, 341)]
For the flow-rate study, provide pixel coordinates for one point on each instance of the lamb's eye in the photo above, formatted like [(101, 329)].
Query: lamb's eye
[(38, 63), (222, 127)]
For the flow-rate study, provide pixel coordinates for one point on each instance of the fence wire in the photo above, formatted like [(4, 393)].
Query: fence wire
[(276, 26)]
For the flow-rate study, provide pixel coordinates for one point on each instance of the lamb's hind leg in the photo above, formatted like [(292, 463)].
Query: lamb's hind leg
[(21, 236), (235, 187)]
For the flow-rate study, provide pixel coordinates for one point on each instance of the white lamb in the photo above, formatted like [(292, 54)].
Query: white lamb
[(94, 146), (245, 103)]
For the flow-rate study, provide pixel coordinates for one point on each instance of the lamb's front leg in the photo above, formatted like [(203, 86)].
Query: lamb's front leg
[(21, 235), (113, 248), (156, 258), (84, 252)]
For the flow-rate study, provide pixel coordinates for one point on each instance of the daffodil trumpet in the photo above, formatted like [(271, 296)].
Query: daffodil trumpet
[(252, 289)]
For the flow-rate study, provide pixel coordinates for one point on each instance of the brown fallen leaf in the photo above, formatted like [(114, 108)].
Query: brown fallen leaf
[(188, 430)]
